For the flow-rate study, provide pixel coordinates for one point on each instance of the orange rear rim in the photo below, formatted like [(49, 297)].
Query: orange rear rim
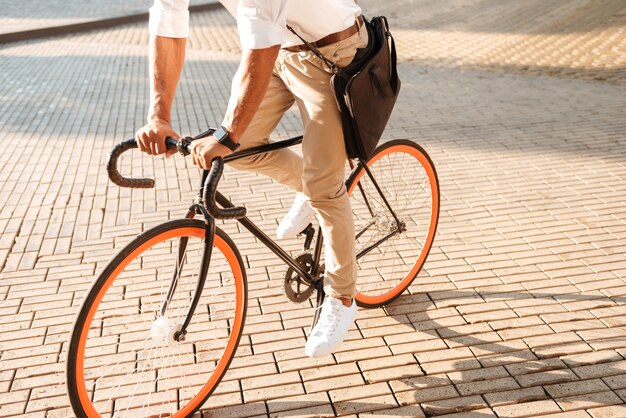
[(432, 177)]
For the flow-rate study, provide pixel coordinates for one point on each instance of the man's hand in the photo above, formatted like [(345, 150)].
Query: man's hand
[(151, 138), (204, 150)]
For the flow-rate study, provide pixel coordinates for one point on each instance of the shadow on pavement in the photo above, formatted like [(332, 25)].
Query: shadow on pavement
[(82, 95)]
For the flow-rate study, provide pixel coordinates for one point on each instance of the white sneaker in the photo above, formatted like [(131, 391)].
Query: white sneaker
[(298, 217), (331, 329)]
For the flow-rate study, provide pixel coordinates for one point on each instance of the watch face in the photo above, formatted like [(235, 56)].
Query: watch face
[(220, 134)]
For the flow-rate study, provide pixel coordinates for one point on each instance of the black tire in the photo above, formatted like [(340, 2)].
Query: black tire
[(121, 308), (407, 176)]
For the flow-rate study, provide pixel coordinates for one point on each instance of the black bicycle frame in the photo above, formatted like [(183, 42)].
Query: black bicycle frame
[(198, 208)]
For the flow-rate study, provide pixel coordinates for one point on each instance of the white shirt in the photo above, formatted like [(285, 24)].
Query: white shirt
[(262, 23)]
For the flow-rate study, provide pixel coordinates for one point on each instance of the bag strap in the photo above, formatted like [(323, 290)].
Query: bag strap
[(394, 56), (331, 66)]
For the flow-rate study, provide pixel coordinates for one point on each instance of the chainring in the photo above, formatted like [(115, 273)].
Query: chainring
[(299, 289)]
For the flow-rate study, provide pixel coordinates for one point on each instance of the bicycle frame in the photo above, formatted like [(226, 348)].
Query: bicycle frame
[(198, 208)]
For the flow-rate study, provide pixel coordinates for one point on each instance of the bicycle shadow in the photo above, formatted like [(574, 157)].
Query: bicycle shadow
[(497, 372), (492, 372)]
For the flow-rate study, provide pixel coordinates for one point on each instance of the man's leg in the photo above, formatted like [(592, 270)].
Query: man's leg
[(325, 158), (323, 182), (284, 166)]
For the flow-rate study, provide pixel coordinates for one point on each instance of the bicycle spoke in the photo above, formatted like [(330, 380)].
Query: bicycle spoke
[(133, 363), (406, 185)]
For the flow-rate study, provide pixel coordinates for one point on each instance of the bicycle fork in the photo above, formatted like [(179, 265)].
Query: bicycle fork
[(207, 250)]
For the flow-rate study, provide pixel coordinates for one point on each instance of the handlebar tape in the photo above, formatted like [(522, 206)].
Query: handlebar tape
[(114, 174), (210, 187)]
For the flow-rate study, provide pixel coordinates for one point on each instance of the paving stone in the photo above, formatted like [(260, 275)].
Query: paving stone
[(527, 409), (608, 411), (413, 347), (426, 394), (451, 354), (373, 390), (375, 364), (448, 406), (358, 406), (245, 410), (469, 340), (526, 332), (391, 373), (600, 370), (411, 411), (450, 366), (487, 386), (419, 382), (515, 396), (590, 358), (607, 344), (333, 383), (507, 358), (562, 349), (329, 371), (312, 412), (576, 388), (477, 413), (548, 377), (616, 382), (478, 374), (309, 400), (589, 400), (568, 414), (535, 366), (264, 381), (273, 392)]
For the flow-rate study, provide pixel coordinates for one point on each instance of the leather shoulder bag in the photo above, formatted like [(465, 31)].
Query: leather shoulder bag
[(366, 89)]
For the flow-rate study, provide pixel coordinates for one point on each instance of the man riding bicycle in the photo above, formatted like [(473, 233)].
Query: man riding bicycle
[(275, 71)]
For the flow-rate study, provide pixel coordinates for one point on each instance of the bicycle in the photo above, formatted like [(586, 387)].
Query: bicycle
[(160, 325)]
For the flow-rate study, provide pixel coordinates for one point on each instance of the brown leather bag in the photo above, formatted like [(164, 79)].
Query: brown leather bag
[(366, 89)]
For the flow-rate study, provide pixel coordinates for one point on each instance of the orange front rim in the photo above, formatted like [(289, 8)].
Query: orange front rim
[(229, 350)]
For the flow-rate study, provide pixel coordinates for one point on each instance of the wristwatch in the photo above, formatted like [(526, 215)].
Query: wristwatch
[(223, 137)]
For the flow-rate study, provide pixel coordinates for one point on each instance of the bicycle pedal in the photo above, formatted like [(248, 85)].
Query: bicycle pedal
[(309, 229)]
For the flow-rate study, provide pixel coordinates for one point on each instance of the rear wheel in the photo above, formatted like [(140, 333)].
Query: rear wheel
[(124, 359), (391, 250)]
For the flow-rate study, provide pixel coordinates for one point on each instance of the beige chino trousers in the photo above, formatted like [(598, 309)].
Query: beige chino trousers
[(301, 77)]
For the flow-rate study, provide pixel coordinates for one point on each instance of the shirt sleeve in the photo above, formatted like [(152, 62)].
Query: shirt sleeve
[(261, 23), (170, 18)]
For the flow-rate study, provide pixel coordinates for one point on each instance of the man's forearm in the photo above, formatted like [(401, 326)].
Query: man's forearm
[(249, 87), (167, 56)]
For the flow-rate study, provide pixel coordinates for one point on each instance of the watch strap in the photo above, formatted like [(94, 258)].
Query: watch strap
[(223, 137)]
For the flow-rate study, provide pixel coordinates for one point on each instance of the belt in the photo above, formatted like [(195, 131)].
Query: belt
[(330, 39)]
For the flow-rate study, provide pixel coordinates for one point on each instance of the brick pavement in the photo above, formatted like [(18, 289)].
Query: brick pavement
[(582, 39), (520, 308)]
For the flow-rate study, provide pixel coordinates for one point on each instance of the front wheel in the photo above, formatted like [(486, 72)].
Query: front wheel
[(124, 358), (396, 210)]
